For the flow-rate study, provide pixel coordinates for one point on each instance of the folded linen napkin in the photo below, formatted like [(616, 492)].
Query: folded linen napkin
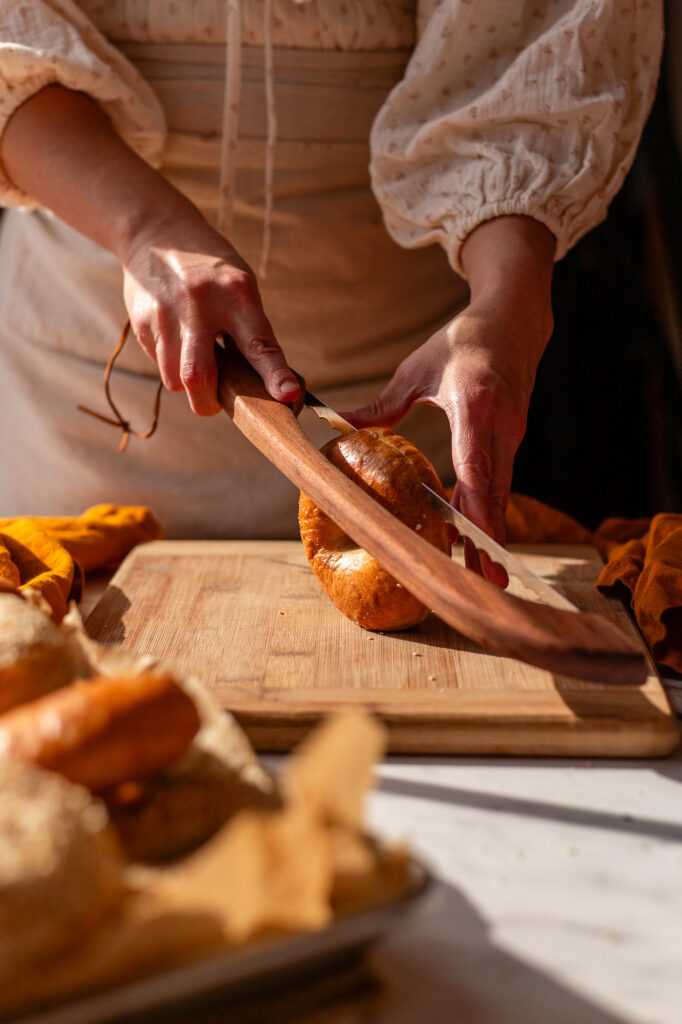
[(52, 554), (643, 565)]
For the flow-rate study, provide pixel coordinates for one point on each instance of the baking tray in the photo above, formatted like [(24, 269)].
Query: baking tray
[(268, 964)]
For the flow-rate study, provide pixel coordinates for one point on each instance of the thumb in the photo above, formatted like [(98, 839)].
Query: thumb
[(388, 408)]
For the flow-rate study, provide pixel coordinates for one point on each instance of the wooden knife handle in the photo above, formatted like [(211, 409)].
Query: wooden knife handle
[(579, 644)]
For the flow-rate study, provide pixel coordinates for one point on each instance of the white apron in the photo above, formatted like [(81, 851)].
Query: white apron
[(346, 302)]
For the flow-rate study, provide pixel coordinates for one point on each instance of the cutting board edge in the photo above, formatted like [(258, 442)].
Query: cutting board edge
[(654, 738)]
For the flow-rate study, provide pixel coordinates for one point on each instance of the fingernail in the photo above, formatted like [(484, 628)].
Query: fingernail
[(289, 386)]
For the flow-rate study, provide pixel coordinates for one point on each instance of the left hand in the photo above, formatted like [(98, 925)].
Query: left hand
[(480, 370)]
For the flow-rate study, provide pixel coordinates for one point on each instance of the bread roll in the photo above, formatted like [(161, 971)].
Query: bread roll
[(392, 470), (175, 812), (103, 731), (34, 654), (61, 871)]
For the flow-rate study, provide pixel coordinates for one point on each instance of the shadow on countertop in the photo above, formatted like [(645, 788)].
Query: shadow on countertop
[(527, 808), (440, 968)]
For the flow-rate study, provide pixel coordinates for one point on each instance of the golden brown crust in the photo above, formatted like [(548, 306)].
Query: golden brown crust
[(34, 655), (391, 469), (173, 813), (61, 870), (103, 731)]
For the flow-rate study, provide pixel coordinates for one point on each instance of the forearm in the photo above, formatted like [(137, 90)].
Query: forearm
[(508, 262), (61, 148)]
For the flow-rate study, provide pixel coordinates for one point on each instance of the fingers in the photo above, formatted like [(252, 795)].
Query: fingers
[(182, 353), (478, 560), (179, 334), (472, 419), (505, 446), (483, 451), (198, 374), (255, 339), (159, 336)]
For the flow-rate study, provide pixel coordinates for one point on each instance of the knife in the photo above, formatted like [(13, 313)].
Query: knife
[(462, 524), (580, 644)]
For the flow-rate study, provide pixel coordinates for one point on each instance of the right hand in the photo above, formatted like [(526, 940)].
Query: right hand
[(184, 284)]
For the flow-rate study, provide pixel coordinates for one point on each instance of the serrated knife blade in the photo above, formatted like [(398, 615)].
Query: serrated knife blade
[(464, 526), (511, 563)]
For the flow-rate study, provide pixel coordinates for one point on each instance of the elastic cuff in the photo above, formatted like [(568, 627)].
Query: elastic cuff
[(463, 227)]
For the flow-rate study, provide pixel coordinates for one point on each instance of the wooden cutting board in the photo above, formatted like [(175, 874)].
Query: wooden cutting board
[(250, 620)]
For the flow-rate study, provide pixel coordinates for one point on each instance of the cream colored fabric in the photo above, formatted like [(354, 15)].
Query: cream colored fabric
[(515, 108), (303, 24), (46, 41), (346, 301), (507, 106)]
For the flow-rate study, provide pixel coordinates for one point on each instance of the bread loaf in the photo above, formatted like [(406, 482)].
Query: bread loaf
[(392, 470)]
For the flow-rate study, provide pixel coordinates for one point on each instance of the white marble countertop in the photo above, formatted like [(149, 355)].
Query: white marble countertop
[(560, 895), (558, 901)]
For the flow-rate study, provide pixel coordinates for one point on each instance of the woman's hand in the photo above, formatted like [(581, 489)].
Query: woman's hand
[(184, 283), (480, 369)]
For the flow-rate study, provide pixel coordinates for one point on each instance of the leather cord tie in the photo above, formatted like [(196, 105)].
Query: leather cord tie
[(119, 421)]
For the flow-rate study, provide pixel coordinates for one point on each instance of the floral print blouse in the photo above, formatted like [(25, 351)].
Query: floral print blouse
[(507, 106)]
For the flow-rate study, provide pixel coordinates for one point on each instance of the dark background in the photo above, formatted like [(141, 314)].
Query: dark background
[(604, 433)]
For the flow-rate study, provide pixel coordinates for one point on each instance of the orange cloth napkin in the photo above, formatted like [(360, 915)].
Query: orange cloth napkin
[(52, 554), (643, 565)]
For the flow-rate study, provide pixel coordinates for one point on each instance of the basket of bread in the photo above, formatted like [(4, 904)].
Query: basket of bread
[(140, 836)]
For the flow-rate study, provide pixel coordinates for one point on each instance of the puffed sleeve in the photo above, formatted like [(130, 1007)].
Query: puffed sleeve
[(48, 41), (515, 107)]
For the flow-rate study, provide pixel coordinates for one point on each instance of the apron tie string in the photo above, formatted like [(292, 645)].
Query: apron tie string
[(230, 125), (271, 138), (118, 420)]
